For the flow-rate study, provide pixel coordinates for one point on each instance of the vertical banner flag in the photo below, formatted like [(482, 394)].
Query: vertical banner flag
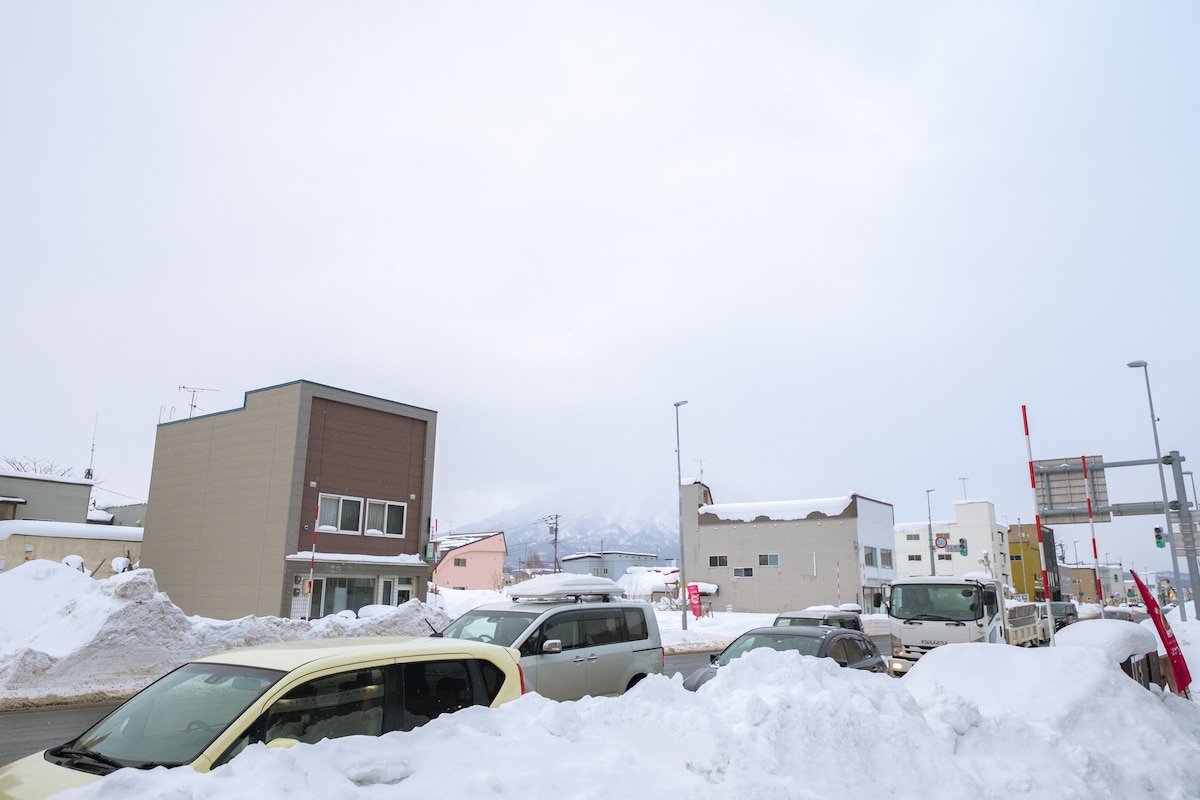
[(1183, 678), (693, 592)]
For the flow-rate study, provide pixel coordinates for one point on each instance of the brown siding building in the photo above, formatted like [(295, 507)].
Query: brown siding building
[(303, 480)]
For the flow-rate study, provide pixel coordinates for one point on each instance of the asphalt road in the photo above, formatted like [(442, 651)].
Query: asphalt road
[(25, 732)]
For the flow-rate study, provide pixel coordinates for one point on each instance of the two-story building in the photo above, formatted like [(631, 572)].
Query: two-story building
[(471, 561), (306, 501), (790, 554), (974, 526)]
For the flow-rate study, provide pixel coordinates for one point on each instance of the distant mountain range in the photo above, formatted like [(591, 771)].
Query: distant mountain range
[(641, 526)]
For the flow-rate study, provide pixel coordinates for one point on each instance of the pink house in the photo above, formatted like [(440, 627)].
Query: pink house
[(474, 561)]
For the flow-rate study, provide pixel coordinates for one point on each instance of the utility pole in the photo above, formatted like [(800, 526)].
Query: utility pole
[(553, 520), (932, 556)]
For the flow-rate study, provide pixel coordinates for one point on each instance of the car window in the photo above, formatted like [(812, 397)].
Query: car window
[(345, 704), (635, 624), (601, 627), (856, 650), (433, 688), (839, 651), (174, 719), (566, 628)]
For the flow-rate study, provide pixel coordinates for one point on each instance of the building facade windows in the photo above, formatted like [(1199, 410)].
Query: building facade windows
[(914, 556), (869, 556), (718, 561), (885, 559), (768, 559), (912, 537), (385, 518), (460, 562), (340, 514), (743, 572)]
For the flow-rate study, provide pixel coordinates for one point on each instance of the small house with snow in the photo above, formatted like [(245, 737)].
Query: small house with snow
[(787, 555)]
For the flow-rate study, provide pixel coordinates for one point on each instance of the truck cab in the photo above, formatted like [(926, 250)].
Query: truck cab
[(924, 613)]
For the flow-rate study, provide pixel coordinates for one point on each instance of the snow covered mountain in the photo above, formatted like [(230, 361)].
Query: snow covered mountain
[(640, 525)]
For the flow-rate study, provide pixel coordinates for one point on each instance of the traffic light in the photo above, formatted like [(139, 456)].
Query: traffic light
[(1158, 538), (962, 547)]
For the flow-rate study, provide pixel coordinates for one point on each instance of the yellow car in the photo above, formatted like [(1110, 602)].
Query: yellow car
[(207, 711)]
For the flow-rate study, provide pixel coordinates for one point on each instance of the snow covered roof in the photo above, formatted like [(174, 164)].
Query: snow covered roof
[(602, 553), (96, 515), (356, 558), (37, 476), (68, 530), (779, 509)]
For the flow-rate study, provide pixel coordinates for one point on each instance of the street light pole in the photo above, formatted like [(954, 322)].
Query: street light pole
[(1162, 479), (679, 491), (932, 556)]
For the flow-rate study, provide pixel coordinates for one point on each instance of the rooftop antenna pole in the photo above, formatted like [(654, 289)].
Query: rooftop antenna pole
[(193, 390), (89, 473)]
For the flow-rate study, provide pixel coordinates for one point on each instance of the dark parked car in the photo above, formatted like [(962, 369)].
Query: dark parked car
[(834, 619), (1064, 614), (848, 647)]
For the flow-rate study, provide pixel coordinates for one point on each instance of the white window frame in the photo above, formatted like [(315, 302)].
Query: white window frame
[(885, 559), (324, 499), (722, 561), (869, 556), (460, 561), (768, 559), (743, 572), (912, 537), (915, 557), (387, 505)]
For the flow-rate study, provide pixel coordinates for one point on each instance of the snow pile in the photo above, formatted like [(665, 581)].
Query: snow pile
[(982, 721), (84, 640)]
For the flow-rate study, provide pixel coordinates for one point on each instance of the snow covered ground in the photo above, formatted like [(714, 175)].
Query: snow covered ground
[(982, 721)]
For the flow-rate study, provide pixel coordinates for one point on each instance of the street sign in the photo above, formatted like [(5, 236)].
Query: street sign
[(1062, 493), (941, 542)]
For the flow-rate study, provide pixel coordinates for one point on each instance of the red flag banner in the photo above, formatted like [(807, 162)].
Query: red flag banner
[(693, 593), (1183, 678)]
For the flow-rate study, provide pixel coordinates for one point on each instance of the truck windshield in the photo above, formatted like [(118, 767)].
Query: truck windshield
[(934, 601)]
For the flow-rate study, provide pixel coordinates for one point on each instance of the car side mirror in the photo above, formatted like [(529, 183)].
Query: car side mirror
[(552, 646), (712, 659), (878, 599)]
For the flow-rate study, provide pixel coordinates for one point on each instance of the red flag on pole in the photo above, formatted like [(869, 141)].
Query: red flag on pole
[(1183, 678)]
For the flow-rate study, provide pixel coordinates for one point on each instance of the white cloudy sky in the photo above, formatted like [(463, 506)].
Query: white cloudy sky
[(855, 237)]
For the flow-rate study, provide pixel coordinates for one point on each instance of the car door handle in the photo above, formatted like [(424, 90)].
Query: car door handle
[(581, 659)]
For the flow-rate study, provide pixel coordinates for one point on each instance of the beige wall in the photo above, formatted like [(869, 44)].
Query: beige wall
[(220, 494), (97, 554)]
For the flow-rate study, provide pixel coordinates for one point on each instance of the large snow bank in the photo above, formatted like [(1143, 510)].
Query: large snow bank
[(65, 636)]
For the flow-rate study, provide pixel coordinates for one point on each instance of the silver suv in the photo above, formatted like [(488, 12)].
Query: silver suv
[(570, 649)]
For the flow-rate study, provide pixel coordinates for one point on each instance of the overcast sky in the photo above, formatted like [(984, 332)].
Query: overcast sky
[(855, 237)]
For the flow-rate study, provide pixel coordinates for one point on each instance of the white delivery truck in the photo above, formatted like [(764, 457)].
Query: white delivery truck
[(924, 613)]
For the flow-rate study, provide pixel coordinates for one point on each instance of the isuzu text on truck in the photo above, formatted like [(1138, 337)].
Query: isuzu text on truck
[(924, 613)]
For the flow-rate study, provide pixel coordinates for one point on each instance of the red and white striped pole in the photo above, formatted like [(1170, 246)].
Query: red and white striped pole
[(1092, 526), (1037, 518)]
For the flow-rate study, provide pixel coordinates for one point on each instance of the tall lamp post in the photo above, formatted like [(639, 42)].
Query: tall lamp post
[(932, 557), (1162, 479), (679, 492)]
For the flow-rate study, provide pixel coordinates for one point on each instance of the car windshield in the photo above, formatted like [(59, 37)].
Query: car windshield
[(805, 645), (174, 719), (492, 627), (955, 603)]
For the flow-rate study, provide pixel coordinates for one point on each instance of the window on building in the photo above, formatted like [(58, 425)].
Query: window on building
[(460, 562), (385, 518), (868, 556), (945, 556), (914, 556), (743, 572), (885, 559), (340, 514), (1017, 558), (718, 561), (913, 537), (768, 559)]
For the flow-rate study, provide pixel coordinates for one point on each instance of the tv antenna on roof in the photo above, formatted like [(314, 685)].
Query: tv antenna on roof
[(193, 390)]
